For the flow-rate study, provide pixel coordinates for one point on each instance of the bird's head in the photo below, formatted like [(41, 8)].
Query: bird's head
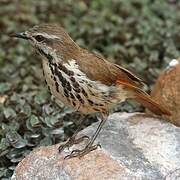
[(48, 39)]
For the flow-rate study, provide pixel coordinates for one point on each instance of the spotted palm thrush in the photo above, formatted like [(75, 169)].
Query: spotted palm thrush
[(83, 80)]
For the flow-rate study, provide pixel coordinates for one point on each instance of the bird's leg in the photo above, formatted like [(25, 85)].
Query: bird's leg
[(89, 147), (72, 140)]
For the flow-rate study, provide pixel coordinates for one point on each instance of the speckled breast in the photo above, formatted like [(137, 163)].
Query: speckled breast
[(73, 88)]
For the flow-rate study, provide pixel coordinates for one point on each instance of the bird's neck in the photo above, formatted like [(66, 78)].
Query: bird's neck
[(68, 50), (60, 52)]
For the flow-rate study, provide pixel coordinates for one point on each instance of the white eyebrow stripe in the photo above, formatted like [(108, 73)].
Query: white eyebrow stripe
[(48, 36)]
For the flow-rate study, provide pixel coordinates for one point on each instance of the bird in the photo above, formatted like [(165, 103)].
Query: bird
[(83, 80)]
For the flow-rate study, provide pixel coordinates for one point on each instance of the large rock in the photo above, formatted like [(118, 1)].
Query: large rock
[(134, 146)]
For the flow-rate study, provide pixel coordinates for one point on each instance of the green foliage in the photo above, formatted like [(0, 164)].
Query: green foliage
[(142, 35)]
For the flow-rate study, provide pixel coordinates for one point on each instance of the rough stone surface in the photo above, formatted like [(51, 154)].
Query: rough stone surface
[(134, 146), (167, 90)]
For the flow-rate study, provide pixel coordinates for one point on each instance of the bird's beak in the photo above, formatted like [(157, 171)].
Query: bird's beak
[(21, 35)]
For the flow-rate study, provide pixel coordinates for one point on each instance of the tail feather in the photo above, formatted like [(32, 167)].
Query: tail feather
[(149, 103), (145, 99)]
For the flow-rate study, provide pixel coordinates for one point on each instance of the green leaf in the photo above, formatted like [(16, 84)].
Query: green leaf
[(26, 109), (9, 112), (3, 172), (3, 144), (4, 87), (46, 141), (34, 120), (51, 120), (41, 97), (15, 139)]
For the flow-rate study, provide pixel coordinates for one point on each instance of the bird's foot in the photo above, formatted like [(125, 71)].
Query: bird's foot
[(71, 141), (83, 152)]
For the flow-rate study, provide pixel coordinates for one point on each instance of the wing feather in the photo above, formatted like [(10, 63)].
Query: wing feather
[(98, 69)]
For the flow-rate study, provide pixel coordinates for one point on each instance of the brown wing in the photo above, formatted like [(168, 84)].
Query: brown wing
[(98, 69)]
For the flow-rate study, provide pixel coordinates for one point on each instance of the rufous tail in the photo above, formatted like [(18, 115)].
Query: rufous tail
[(147, 101)]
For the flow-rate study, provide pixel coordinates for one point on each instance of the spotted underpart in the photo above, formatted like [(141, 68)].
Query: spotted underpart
[(74, 88)]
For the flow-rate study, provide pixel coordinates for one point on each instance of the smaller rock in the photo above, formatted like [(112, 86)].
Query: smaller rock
[(167, 90)]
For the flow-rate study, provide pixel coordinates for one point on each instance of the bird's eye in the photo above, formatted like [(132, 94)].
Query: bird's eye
[(39, 38)]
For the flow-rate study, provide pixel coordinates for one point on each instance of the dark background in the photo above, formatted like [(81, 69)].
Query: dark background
[(141, 35)]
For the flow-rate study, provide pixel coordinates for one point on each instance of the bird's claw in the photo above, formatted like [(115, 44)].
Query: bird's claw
[(72, 141), (83, 152)]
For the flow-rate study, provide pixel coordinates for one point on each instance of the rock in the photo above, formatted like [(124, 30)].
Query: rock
[(167, 90), (134, 146)]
